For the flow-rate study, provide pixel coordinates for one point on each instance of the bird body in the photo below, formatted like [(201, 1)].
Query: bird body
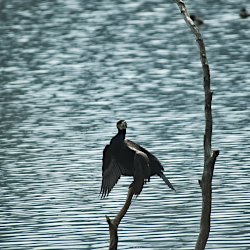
[(197, 20), (125, 157), (244, 13)]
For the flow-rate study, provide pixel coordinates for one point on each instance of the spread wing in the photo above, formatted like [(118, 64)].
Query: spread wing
[(154, 162), (141, 171), (134, 145), (111, 172)]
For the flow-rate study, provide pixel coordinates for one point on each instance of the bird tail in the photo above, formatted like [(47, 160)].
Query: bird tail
[(166, 181)]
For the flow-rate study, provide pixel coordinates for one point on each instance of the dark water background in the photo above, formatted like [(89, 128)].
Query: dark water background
[(69, 70)]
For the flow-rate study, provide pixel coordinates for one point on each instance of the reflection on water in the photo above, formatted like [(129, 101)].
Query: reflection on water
[(69, 71)]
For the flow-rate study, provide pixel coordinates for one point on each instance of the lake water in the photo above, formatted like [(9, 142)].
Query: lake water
[(69, 70)]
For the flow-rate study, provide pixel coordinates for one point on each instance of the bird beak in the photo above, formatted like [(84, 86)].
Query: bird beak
[(124, 125)]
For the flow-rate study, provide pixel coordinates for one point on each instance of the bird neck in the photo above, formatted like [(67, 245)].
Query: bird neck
[(119, 137), (121, 133)]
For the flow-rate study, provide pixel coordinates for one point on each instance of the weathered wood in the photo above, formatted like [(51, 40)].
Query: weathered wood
[(113, 227), (113, 224), (209, 155)]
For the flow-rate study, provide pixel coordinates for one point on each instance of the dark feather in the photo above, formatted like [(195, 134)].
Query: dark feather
[(154, 163), (141, 171), (125, 157), (111, 172), (166, 181)]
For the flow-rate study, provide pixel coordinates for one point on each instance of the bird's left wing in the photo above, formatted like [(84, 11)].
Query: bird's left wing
[(111, 172), (141, 171)]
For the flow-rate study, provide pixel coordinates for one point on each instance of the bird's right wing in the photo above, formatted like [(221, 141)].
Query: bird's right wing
[(111, 172)]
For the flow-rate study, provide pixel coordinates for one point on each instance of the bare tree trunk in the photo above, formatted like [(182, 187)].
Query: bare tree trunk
[(209, 155), (113, 224)]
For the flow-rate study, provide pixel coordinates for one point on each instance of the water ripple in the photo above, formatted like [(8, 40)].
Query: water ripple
[(69, 71)]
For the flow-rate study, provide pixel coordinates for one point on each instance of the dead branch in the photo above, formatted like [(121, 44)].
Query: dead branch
[(113, 224), (209, 155)]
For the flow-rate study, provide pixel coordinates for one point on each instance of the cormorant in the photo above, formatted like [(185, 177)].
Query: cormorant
[(197, 20), (125, 157), (244, 13)]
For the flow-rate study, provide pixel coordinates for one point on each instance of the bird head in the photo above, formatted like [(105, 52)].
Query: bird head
[(121, 125)]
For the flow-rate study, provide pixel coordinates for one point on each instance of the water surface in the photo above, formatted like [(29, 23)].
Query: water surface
[(69, 71)]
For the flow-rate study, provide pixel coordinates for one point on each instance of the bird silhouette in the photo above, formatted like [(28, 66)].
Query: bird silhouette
[(244, 13), (125, 157)]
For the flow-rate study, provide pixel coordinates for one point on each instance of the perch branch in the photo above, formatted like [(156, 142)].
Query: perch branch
[(113, 224), (209, 155)]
